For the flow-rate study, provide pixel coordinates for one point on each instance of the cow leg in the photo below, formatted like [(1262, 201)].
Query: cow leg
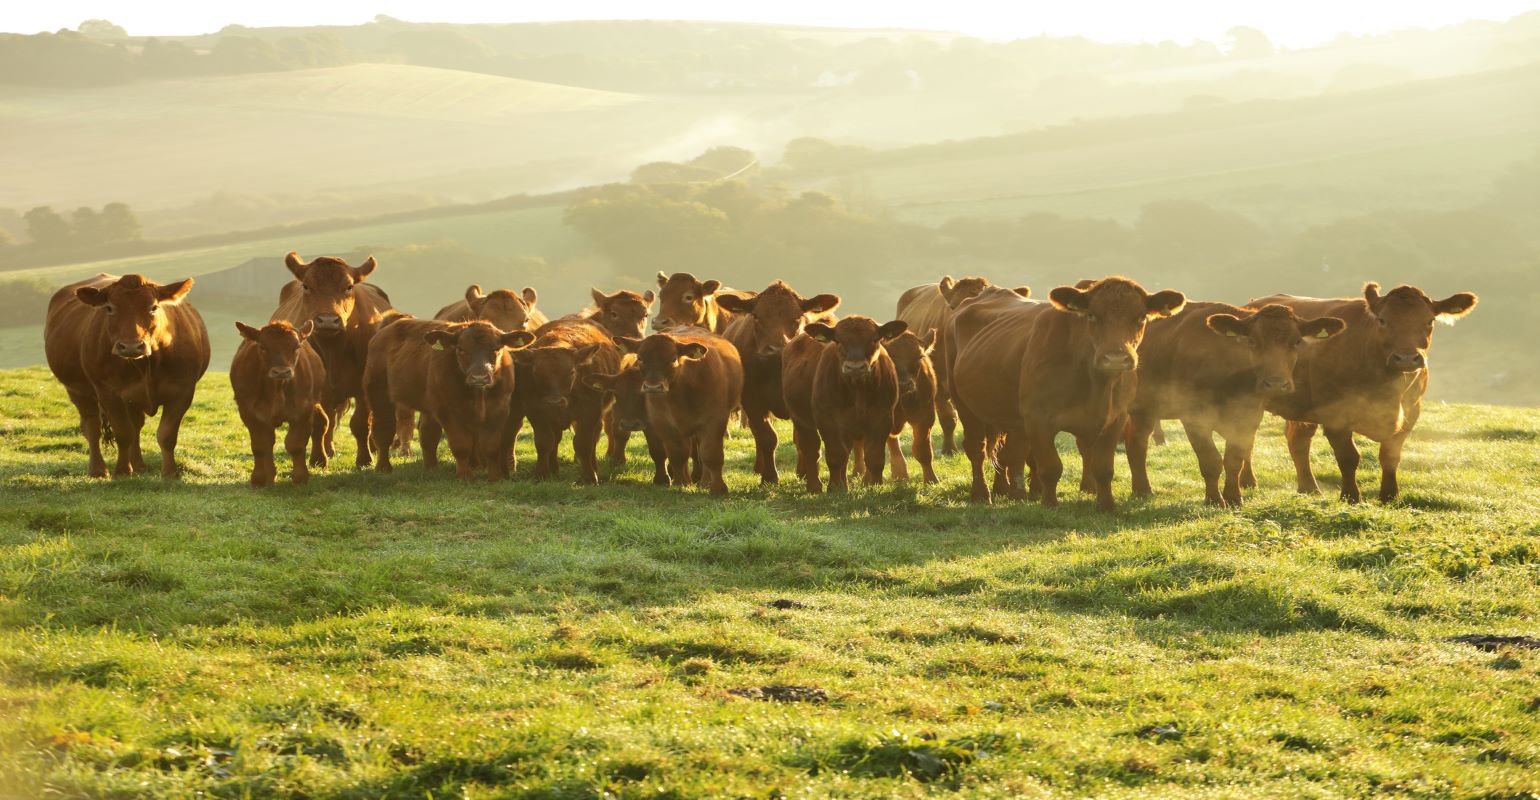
[(1210, 463), (167, 432), (874, 444), (294, 441), (1136, 441), (1101, 461), (765, 442), (1158, 434), (1390, 461), (1342, 446), (403, 439), (1087, 480), (858, 458), (429, 433), (1237, 456), (383, 433), (615, 441), (678, 460), (462, 444), (585, 447), (710, 450), (511, 427), (320, 424), (1047, 465), (659, 455), (1002, 480), (836, 456), (920, 446), (263, 436), (547, 439), (136, 451), (1299, 435), (91, 428), (124, 432), (806, 439), (948, 419), (359, 424), (1011, 459), (1248, 478), (974, 445), (896, 455), (500, 463)]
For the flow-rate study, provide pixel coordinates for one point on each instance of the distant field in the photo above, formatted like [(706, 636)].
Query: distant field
[(410, 636)]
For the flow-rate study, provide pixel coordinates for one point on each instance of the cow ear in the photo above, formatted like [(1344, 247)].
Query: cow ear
[(946, 286), (889, 331), (305, 329), (517, 340), (710, 287), (1069, 298), (530, 296), (1372, 296), (1324, 328), (1164, 303), (1454, 306), (247, 332), (295, 265), (820, 304), (628, 344), (1024, 291), (737, 304), (648, 297), (472, 294), (362, 270), (585, 354), (91, 296), (173, 293), (600, 382), (693, 351), (928, 341), (440, 339), (598, 297), (662, 279), (820, 332), (1226, 325)]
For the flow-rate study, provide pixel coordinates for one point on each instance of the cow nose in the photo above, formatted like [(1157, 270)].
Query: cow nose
[(328, 321), (281, 373), (659, 323), (479, 380), (771, 349), (1407, 361), (909, 387), (1276, 385), (632, 425), (654, 387), (131, 349), (1118, 361), (556, 400), (854, 367)]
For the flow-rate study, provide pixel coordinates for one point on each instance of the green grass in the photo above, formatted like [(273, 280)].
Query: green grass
[(410, 636)]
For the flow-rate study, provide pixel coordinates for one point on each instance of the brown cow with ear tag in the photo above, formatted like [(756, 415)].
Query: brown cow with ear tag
[(278, 379)]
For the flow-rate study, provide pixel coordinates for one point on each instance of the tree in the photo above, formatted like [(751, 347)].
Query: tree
[(1245, 42), (46, 228), (86, 226), (119, 224), (102, 29), (6, 239)]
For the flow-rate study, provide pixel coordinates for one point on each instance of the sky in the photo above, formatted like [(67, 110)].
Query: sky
[(1299, 23)]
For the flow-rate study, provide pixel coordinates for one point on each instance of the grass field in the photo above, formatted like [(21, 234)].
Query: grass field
[(409, 636)]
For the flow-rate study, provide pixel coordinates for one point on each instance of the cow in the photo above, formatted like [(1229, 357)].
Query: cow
[(685, 301), (765, 323), (623, 313), (842, 389), (553, 394), (126, 347), (628, 413), (346, 312), (916, 401), (926, 308), (1367, 380), (278, 379), (1213, 367), (692, 380), (460, 375), (989, 381)]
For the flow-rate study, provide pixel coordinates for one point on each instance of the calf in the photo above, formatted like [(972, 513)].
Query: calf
[(552, 394), (279, 379), (765, 323), (461, 375), (623, 313), (1213, 367), (125, 348), (692, 380), (926, 308), (628, 413), (685, 301), (1368, 380), (916, 401), (1078, 374), (841, 387)]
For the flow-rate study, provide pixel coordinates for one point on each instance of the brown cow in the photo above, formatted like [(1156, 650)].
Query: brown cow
[(926, 308), (842, 388), (685, 301), (553, 395), (1368, 380), (983, 390), (460, 375), (628, 414), (125, 348), (692, 380), (1213, 366), (502, 307), (916, 401), (279, 379), (347, 312), (623, 313), (766, 322)]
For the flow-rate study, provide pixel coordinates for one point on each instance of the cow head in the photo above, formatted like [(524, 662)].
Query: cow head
[(622, 313), (280, 342), (630, 409), (502, 307), (911, 357), (1273, 338), (553, 371), (1405, 318), (135, 310), (776, 315), (326, 290), (682, 300), (479, 349), (956, 292), (1115, 311), (659, 357), (858, 340)]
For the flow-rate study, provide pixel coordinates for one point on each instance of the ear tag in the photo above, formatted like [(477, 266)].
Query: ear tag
[(1232, 334), (1322, 334), (438, 345)]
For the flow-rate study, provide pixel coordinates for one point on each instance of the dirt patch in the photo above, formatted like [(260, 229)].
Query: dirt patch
[(783, 694), (785, 604), (1492, 644)]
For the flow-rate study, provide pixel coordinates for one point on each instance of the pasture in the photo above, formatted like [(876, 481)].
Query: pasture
[(411, 636)]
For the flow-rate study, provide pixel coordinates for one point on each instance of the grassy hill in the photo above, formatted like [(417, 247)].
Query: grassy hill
[(410, 636)]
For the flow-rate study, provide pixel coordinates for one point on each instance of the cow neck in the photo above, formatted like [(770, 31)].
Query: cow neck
[(1103, 385)]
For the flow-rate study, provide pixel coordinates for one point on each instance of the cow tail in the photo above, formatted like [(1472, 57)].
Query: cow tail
[(109, 439)]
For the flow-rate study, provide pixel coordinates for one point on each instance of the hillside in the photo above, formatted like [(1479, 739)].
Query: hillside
[(411, 636)]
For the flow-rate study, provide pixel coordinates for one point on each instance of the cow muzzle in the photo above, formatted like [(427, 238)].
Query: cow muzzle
[(908, 386), (1275, 386), (328, 323), (281, 374), (848, 367), (1116, 361), (631, 425), (479, 380), (559, 401), (1407, 361), (655, 387), (131, 350)]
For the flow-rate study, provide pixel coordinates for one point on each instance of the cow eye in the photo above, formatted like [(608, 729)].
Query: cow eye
[(689, 298), (614, 315)]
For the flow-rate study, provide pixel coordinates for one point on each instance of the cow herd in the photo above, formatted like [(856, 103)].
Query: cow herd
[(1105, 361)]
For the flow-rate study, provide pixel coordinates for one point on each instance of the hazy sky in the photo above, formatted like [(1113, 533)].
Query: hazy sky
[(1295, 23)]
